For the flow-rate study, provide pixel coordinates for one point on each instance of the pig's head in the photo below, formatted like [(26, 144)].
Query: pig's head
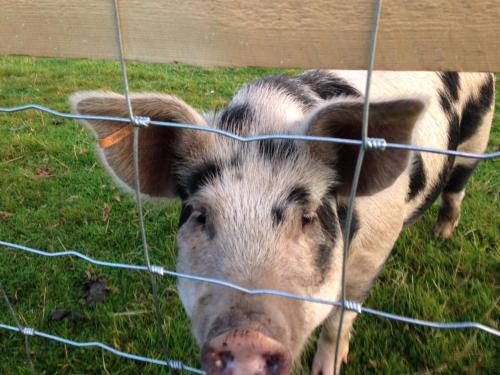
[(262, 215)]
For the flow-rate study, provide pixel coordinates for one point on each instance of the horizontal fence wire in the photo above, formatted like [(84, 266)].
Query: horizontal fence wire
[(350, 305), (27, 331), (372, 143)]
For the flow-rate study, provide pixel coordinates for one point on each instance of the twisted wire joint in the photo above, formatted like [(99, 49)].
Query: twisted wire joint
[(28, 331), (375, 144), (159, 270), (353, 306), (141, 121)]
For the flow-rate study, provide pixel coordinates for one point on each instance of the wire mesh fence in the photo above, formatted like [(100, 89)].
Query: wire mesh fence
[(365, 144)]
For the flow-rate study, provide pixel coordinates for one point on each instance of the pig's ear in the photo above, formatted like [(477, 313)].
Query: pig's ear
[(159, 147), (392, 120)]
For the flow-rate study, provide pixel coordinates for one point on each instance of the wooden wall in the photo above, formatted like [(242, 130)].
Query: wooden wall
[(462, 35)]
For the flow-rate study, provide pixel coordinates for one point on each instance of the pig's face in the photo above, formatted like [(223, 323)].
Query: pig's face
[(263, 215)]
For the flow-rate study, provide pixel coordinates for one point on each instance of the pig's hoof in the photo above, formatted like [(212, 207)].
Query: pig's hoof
[(445, 229), (447, 221), (344, 359), (324, 358)]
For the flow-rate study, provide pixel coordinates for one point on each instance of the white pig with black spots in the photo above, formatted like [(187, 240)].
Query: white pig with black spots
[(270, 214)]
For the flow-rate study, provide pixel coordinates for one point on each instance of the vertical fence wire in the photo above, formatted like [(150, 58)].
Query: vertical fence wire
[(19, 327), (357, 172), (135, 151)]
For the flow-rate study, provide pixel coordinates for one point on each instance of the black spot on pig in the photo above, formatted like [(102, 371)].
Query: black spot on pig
[(454, 133), (275, 150), (234, 117), (451, 82), (299, 195), (329, 223), (278, 214), (326, 85), (417, 178), (436, 189), (186, 211), (200, 175), (448, 95), (475, 109), (459, 177), (342, 212), (323, 259), (291, 86), (328, 220), (331, 190), (445, 102)]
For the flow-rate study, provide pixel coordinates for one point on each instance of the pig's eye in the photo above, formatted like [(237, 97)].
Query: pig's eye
[(200, 217), (307, 219)]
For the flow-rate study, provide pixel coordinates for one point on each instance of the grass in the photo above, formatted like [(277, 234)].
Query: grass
[(54, 195)]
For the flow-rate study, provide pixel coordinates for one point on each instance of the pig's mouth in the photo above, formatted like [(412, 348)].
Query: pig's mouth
[(245, 352)]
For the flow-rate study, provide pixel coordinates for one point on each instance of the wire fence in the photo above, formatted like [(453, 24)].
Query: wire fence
[(366, 144)]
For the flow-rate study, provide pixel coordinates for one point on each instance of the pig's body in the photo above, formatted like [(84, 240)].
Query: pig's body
[(269, 214), (451, 98)]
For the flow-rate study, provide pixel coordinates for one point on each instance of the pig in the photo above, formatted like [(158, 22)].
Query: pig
[(271, 213)]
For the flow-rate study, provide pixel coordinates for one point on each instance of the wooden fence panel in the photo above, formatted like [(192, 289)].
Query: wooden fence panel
[(460, 35)]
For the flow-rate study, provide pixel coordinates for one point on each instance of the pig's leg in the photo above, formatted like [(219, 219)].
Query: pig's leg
[(454, 191), (363, 267), (449, 212), (325, 352), (381, 219)]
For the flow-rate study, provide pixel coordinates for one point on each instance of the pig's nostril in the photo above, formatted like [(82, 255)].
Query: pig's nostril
[(223, 359), (273, 363)]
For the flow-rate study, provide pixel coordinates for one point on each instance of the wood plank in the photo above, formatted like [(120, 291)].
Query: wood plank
[(459, 35)]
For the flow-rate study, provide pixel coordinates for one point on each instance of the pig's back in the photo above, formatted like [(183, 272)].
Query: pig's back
[(449, 97)]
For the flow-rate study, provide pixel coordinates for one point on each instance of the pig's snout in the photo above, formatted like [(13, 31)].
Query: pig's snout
[(245, 352)]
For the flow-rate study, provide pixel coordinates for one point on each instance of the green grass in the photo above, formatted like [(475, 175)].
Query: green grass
[(56, 193)]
